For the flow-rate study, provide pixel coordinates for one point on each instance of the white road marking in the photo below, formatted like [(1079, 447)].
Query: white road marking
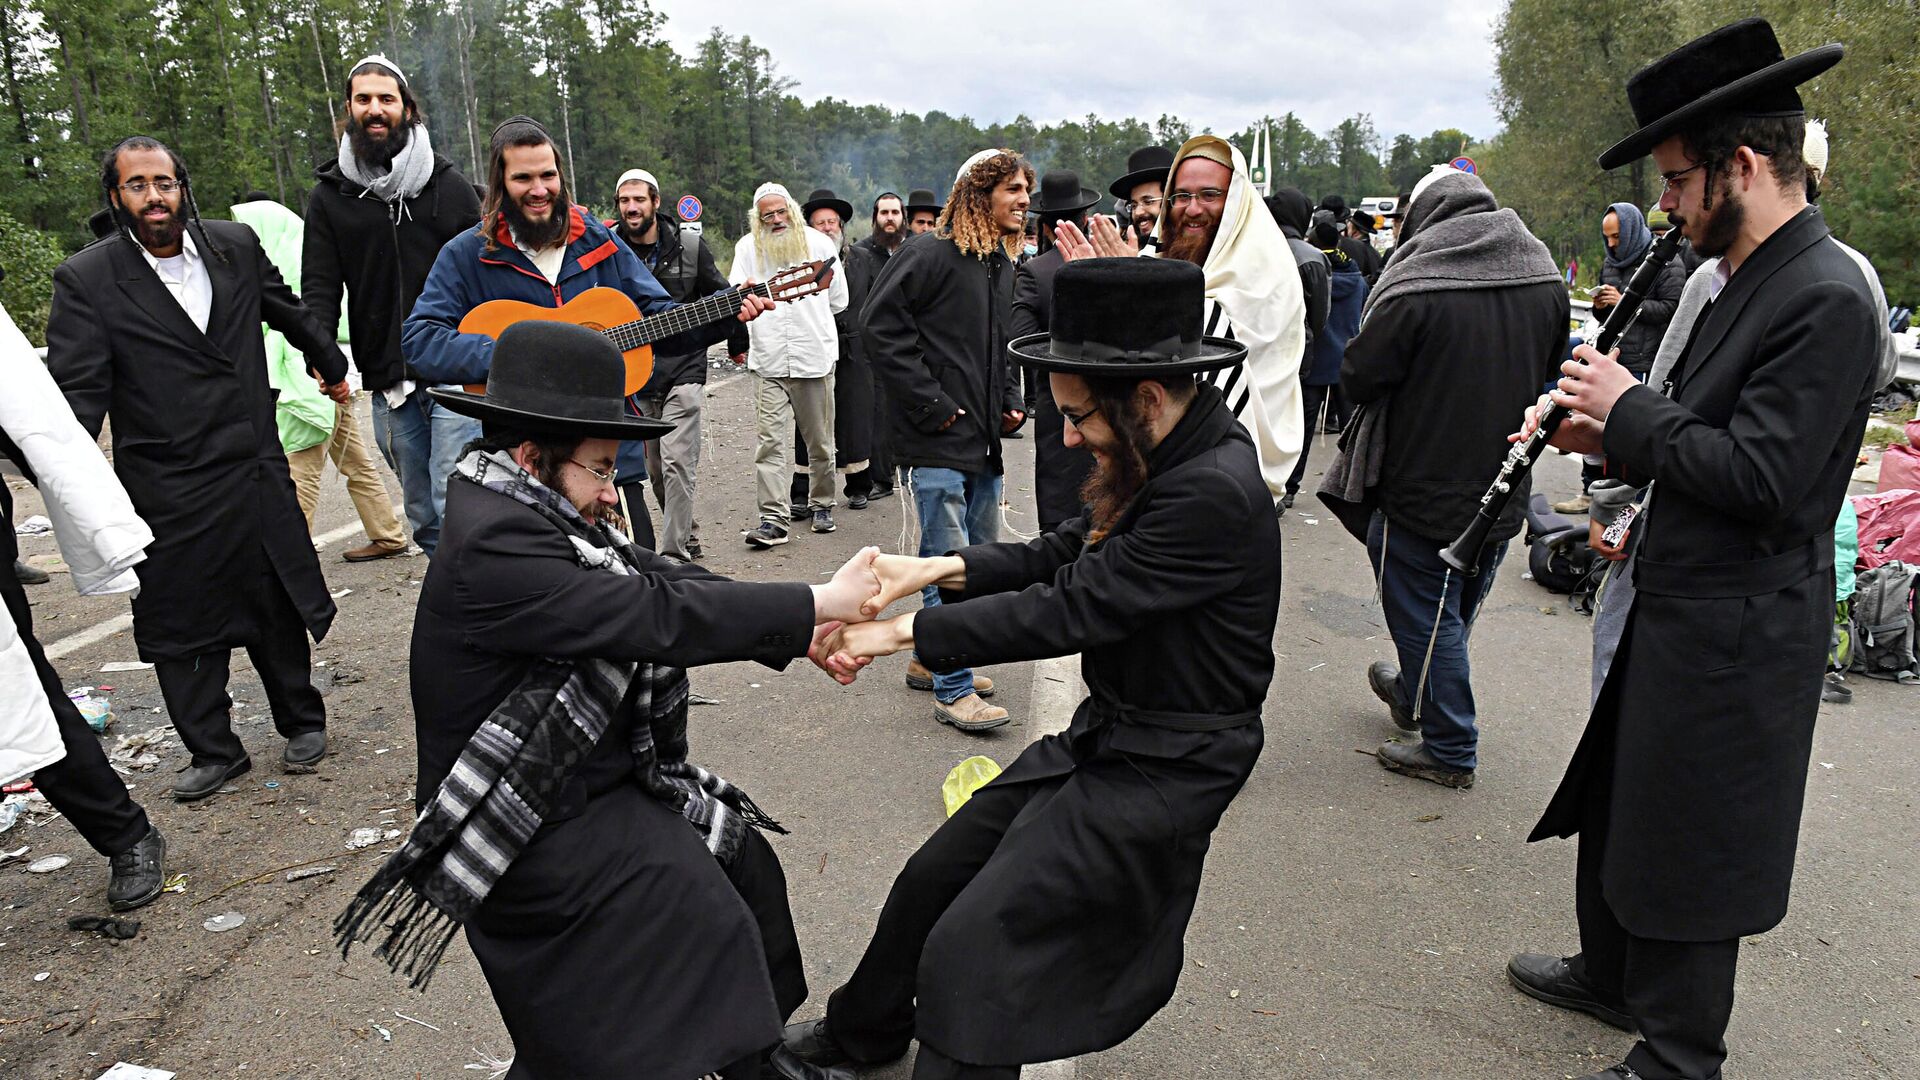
[(106, 628)]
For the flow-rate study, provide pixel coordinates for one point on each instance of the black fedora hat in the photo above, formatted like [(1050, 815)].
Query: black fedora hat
[(1145, 164), (1061, 193), (923, 199), (1736, 69), (825, 198), (555, 377), (1127, 317)]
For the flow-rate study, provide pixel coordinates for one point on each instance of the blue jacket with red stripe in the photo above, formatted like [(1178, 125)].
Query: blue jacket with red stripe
[(466, 275)]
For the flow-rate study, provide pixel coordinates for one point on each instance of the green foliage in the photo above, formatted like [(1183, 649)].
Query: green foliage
[(29, 257)]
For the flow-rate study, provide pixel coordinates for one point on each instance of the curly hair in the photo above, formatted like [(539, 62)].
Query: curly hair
[(968, 217)]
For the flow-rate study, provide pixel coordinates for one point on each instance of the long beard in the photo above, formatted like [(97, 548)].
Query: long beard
[(777, 251), (152, 237), (1116, 478), (376, 155), (1191, 247), (538, 235), (890, 241)]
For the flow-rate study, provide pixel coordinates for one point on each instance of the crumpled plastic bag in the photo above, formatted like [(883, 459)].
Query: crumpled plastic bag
[(966, 778)]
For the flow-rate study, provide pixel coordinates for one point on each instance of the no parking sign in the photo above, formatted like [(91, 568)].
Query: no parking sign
[(1464, 164), (690, 208)]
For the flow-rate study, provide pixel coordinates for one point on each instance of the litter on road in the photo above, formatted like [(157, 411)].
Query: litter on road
[(48, 864), (225, 921), (123, 1071)]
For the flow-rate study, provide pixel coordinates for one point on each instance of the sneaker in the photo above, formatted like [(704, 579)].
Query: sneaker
[(1576, 505), (880, 491), (136, 875), (920, 678), (1836, 690), (822, 521), (769, 534), (1415, 760), (970, 714), (1384, 679)]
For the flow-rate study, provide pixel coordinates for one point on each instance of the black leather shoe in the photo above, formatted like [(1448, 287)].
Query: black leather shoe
[(809, 1042), (1622, 1071), (29, 575), (138, 873), (784, 1065), (304, 751), (1415, 760), (1552, 979), (1384, 678), (201, 781), (881, 491), (856, 502)]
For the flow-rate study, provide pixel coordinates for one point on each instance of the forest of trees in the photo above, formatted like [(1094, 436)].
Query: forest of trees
[(250, 92)]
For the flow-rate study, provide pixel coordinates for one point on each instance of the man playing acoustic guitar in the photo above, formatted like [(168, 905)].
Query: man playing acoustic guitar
[(534, 245)]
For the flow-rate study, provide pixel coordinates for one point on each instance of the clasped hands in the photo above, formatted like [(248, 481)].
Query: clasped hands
[(845, 637)]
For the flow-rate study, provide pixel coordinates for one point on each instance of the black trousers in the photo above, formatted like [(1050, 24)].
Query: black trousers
[(871, 1017), (1680, 992), (1312, 400), (81, 785), (195, 688)]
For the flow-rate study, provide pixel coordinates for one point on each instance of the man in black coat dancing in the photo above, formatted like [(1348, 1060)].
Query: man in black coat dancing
[(1687, 785), (158, 325), (1045, 918)]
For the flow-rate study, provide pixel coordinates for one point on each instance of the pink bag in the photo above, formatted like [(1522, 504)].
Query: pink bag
[(1900, 465), (1889, 527)]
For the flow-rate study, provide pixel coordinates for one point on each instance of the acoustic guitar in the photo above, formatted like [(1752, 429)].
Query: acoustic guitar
[(615, 315)]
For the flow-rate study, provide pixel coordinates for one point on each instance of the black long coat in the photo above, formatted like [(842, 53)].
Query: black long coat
[(194, 438), (1705, 721), (615, 944), (1058, 469), (1070, 937)]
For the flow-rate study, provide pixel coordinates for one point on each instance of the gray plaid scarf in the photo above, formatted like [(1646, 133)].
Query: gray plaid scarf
[(506, 781)]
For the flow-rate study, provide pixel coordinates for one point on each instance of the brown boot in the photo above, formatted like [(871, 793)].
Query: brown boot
[(377, 549), (920, 678), (970, 714)]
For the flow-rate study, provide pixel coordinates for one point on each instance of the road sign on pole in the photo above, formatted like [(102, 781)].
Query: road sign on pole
[(1464, 164), (690, 208)]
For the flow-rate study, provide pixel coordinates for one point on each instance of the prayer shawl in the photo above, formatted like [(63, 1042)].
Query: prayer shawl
[(1254, 297), (509, 777), (406, 177)]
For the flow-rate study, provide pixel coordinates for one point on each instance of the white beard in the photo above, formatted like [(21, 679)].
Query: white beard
[(774, 252)]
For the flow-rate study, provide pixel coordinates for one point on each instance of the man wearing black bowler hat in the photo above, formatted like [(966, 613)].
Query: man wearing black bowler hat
[(1142, 191), (1045, 918), (1058, 469), (1687, 785), (923, 211), (561, 825)]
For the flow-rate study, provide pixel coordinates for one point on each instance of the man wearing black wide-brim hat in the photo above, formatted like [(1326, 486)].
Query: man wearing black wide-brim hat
[(1142, 189), (1687, 785), (923, 211), (1045, 918), (561, 824)]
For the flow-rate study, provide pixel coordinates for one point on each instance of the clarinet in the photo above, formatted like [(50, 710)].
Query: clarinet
[(1464, 553)]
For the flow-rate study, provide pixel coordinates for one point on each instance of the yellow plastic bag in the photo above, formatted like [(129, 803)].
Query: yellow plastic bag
[(966, 778)]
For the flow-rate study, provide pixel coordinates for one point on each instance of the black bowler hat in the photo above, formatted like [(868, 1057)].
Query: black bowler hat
[(1127, 317), (1737, 69), (1061, 193), (555, 377), (923, 199), (825, 198), (1145, 164)]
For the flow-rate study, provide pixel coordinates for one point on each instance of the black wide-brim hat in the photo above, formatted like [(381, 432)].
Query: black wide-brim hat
[(1146, 164), (1127, 318), (824, 198), (923, 199), (1738, 69), (1061, 193), (557, 378)]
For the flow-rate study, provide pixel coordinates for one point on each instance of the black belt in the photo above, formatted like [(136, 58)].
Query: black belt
[(1749, 577), (1106, 712)]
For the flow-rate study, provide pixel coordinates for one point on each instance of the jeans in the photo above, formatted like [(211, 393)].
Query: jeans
[(956, 509), (421, 441), (1413, 582)]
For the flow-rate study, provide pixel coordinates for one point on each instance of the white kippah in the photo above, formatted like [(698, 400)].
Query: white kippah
[(631, 175), (376, 58), (1814, 149), (771, 188), (1433, 174), (975, 160)]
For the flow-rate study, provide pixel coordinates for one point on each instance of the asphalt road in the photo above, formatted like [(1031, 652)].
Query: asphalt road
[(1353, 923)]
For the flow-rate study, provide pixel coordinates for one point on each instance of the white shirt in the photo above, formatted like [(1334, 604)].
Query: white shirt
[(547, 260), (796, 340), (185, 276)]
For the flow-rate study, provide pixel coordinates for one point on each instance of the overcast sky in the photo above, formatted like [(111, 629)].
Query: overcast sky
[(1415, 65)]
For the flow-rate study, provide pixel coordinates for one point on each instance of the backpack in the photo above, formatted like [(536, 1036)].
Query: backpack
[(1883, 622)]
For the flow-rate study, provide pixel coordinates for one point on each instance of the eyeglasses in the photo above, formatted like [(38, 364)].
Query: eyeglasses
[(1080, 419), (772, 216), (164, 187), (1671, 181), (606, 478), (1150, 203), (1209, 196)]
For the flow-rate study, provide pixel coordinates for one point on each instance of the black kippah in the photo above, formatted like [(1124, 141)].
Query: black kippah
[(519, 118)]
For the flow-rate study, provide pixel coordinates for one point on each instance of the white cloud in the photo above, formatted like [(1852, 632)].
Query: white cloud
[(1415, 66)]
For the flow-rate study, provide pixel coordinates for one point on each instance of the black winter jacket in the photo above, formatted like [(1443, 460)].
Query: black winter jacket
[(935, 327), (684, 367), (1642, 340), (353, 244)]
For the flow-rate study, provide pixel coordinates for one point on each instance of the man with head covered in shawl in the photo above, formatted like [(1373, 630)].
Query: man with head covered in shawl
[(1214, 219)]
